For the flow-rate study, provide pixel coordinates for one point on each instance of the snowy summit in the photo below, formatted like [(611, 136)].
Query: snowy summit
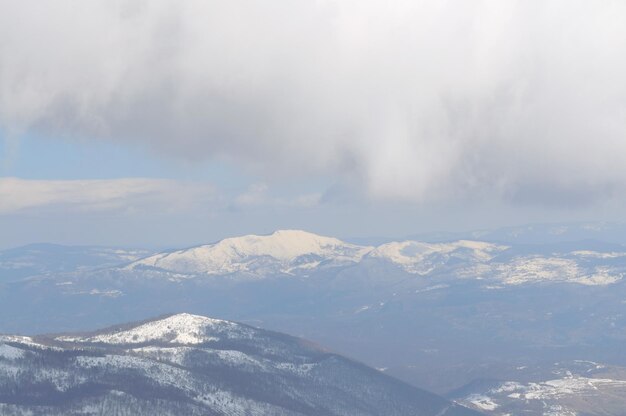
[(183, 329), (284, 251)]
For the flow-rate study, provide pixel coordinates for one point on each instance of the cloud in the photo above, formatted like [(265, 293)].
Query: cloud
[(258, 195), (132, 196), (523, 101)]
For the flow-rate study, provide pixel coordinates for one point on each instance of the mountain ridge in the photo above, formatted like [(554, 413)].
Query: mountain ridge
[(282, 246), (286, 246), (259, 373), (300, 253)]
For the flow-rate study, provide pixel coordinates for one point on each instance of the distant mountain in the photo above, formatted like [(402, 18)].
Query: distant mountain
[(548, 233), (299, 253), (192, 365), (37, 259), (288, 253), (285, 251), (423, 258)]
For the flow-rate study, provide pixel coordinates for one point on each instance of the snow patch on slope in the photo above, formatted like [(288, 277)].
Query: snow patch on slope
[(536, 269), (27, 341), (8, 352), (553, 396), (482, 402), (554, 389)]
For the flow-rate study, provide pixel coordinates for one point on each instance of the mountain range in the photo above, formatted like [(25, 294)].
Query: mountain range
[(294, 252), (440, 315)]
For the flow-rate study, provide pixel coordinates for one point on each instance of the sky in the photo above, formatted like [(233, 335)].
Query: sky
[(170, 123)]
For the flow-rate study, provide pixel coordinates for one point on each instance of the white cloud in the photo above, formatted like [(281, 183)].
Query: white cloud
[(126, 196), (417, 100), (258, 195)]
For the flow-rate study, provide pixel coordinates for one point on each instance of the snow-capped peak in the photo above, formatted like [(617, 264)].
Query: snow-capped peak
[(281, 245), (283, 249), (184, 328)]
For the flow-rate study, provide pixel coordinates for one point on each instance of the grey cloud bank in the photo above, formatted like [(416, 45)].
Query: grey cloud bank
[(408, 100)]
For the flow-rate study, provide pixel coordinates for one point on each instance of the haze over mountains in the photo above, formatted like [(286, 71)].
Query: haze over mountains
[(404, 307), (37, 259)]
